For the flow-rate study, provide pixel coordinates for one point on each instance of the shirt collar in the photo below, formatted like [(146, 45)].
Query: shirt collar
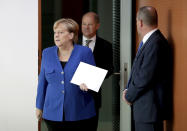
[(93, 39), (146, 37)]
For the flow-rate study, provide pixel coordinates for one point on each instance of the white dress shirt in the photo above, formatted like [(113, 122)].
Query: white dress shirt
[(146, 37)]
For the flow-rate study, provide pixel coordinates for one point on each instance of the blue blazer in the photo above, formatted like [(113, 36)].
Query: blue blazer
[(56, 96), (149, 80)]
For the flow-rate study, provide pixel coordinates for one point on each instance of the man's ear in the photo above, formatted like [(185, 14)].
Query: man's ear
[(98, 25), (141, 23)]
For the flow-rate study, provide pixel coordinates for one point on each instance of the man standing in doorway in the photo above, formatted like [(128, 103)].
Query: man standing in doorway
[(146, 88), (101, 49)]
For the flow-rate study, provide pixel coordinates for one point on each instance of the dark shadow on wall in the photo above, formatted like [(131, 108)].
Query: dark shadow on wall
[(54, 10), (133, 48), (170, 112)]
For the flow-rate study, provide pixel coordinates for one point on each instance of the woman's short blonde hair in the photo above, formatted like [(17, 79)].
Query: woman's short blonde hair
[(71, 26)]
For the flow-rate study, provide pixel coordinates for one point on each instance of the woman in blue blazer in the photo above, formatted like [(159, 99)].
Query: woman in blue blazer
[(63, 105)]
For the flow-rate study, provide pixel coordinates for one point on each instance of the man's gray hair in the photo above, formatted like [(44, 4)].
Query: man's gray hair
[(148, 15)]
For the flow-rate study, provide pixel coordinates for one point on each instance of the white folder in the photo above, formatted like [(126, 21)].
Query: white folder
[(90, 75)]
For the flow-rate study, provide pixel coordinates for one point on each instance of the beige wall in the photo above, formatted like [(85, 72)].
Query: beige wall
[(173, 23)]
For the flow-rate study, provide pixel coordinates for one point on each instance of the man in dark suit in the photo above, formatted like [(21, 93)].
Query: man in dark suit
[(146, 88), (102, 51)]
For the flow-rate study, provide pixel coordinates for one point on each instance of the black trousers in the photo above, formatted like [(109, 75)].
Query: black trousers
[(96, 120), (82, 125), (155, 126)]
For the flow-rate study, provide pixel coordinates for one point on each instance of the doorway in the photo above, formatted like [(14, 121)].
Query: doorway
[(109, 14)]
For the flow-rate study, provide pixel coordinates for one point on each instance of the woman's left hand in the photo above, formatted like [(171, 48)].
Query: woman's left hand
[(83, 87), (38, 113)]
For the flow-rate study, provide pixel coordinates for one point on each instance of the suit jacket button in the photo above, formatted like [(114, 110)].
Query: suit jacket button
[(63, 92), (62, 82)]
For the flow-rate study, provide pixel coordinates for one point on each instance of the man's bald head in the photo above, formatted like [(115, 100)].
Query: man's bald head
[(148, 15), (94, 15)]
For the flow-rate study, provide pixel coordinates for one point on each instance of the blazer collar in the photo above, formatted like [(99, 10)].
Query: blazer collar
[(70, 58)]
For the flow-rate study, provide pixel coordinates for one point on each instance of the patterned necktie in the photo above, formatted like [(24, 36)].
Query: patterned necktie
[(88, 42)]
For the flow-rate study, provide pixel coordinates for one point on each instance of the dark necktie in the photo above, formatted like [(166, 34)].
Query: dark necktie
[(88, 42)]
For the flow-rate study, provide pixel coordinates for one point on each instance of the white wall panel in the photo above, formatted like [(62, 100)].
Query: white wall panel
[(18, 64)]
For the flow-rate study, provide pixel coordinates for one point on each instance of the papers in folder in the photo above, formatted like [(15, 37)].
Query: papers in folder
[(90, 75)]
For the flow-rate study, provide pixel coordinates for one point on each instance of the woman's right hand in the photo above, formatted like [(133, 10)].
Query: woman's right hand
[(38, 113), (83, 87)]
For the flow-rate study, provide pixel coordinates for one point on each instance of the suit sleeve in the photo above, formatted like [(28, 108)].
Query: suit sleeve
[(144, 73), (42, 84), (109, 61)]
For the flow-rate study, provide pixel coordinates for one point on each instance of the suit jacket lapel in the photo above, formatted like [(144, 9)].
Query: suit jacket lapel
[(96, 46), (144, 48), (147, 43)]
